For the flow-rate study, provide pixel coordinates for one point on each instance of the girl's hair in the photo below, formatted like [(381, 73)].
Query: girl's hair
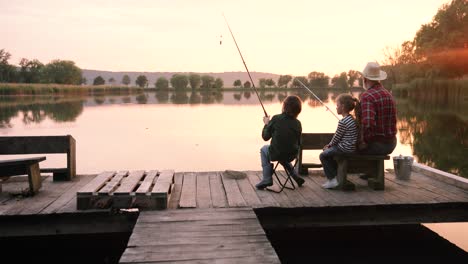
[(292, 105), (348, 101)]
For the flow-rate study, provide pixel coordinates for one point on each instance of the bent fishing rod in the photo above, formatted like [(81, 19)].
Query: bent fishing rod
[(250, 77), (317, 98)]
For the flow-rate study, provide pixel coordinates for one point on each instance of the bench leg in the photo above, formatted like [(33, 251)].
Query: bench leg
[(342, 172), (378, 182), (34, 176)]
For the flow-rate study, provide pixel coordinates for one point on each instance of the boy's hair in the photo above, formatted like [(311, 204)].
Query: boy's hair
[(292, 105), (348, 101)]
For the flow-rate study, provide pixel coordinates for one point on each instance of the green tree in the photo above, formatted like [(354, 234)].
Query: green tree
[(162, 83), (237, 83), (296, 84), (207, 81), (30, 71), (262, 83), (269, 82), (179, 81), (247, 84), (194, 80), (318, 79), (126, 79), (111, 80), (141, 81), (443, 42), (62, 72), (7, 71), (340, 81), (99, 81), (284, 80), (352, 77), (219, 83)]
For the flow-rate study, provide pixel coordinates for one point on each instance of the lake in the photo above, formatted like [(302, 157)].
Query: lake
[(214, 131)]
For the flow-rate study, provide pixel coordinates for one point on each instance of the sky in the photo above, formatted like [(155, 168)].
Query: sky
[(275, 36)]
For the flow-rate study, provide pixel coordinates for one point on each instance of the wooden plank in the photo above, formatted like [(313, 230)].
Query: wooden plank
[(175, 197), (203, 190), (143, 193), (67, 202), (97, 183), (198, 235), (218, 195), (281, 198), (112, 184), (188, 197), (233, 194), (129, 183), (248, 193), (162, 189), (265, 197)]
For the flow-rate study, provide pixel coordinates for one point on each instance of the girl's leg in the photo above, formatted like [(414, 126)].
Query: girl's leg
[(329, 164)]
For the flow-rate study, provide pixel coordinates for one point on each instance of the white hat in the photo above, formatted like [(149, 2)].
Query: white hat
[(372, 72)]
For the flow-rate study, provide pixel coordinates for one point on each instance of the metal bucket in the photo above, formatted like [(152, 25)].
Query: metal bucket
[(402, 166)]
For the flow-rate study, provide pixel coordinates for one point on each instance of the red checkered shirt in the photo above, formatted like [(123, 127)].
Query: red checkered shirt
[(378, 114)]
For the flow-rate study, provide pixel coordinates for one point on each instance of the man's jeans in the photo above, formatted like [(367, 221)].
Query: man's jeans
[(379, 148)]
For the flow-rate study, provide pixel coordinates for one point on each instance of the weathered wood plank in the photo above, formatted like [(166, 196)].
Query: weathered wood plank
[(188, 197), (265, 197), (112, 184), (218, 195), (97, 183), (143, 193), (248, 193), (233, 194), (203, 190), (175, 197), (129, 183), (162, 189)]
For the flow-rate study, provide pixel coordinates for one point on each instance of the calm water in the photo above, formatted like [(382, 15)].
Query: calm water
[(209, 131)]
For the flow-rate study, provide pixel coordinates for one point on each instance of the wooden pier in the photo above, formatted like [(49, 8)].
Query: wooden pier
[(210, 217)]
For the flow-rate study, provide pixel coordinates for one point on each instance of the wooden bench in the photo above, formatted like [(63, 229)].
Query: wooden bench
[(29, 166), (370, 165), (44, 145)]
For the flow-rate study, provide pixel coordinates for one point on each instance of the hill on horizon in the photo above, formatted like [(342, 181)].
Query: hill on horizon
[(227, 77)]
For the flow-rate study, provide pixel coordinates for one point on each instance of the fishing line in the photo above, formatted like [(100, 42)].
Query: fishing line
[(317, 98), (250, 77)]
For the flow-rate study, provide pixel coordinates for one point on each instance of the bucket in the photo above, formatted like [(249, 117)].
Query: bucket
[(402, 166)]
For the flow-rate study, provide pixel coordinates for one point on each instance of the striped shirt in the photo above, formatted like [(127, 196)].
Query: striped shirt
[(346, 135), (378, 114)]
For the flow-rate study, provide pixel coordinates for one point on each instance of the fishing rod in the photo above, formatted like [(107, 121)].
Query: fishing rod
[(317, 98), (250, 77)]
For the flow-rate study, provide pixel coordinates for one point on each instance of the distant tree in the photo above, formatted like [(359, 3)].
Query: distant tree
[(99, 81), (340, 81), (30, 71), (194, 80), (269, 82), (296, 83), (352, 77), (111, 80), (318, 79), (219, 83), (179, 81), (141, 81), (262, 82), (284, 80), (7, 71), (207, 81), (84, 81), (126, 79), (162, 83), (237, 83), (247, 84), (62, 72)]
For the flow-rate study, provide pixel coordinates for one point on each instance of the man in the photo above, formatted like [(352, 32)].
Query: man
[(377, 115)]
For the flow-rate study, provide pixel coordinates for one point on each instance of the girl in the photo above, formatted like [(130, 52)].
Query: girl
[(344, 140)]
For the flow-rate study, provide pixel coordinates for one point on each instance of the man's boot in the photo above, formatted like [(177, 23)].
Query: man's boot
[(267, 179)]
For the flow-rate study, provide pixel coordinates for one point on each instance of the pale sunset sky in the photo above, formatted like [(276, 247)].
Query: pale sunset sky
[(276, 36)]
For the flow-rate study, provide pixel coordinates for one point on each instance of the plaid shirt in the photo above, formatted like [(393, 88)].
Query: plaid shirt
[(378, 114)]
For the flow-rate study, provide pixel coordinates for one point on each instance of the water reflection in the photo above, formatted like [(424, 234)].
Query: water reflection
[(437, 136)]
